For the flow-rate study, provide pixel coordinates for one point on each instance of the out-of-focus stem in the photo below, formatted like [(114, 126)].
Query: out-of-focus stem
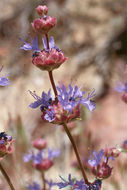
[(6, 177), (50, 72), (43, 180), (76, 152)]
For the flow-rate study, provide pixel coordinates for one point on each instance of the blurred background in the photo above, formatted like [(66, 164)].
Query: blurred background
[(93, 35)]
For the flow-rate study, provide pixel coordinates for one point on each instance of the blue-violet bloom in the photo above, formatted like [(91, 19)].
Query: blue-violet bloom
[(4, 80), (121, 87), (34, 186), (73, 96), (41, 155), (30, 46), (45, 102), (97, 156), (51, 44)]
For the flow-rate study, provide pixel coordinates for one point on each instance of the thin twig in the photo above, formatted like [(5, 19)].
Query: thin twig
[(6, 177), (76, 152)]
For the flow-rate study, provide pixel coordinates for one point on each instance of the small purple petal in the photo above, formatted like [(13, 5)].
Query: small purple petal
[(35, 104), (95, 161), (51, 43), (121, 87), (34, 186), (4, 81), (30, 46), (50, 115), (53, 153), (44, 43), (28, 157)]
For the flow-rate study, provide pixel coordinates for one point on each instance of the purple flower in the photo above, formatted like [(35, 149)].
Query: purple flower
[(51, 44), (44, 101), (121, 87), (73, 96), (79, 184), (65, 183), (50, 115), (34, 186), (97, 156), (30, 46), (50, 184), (28, 157), (41, 155), (53, 153), (4, 80)]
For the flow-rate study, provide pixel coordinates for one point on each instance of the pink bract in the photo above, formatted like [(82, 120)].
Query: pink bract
[(49, 60), (42, 10), (39, 143), (44, 24)]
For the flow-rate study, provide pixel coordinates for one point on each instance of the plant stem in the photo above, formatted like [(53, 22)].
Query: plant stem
[(50, 72), (76, 152), (43, 180), (47, 39), (53, 84), (6, 177)]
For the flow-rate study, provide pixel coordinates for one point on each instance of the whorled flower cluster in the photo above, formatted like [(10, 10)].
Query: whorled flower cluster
[(67, 108), (6, 143), (79, 184), (99, 162), (43, 160), (49, 58)]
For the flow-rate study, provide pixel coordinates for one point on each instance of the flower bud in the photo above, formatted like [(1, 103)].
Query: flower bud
[(124, 97), (39, 143), (44, 24), (42, 10), (44, 165), (112, 152)]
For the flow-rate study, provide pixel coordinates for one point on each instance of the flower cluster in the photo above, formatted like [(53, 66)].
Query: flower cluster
[(50, 57), (68, 106), (79, 184), (99, 168), (5, 144), (43, 159)]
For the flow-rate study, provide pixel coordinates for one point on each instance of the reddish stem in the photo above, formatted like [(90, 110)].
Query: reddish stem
[(43, 180), (47, 39), (6, 177), (53, 84), (50, 72), (76, 152)]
